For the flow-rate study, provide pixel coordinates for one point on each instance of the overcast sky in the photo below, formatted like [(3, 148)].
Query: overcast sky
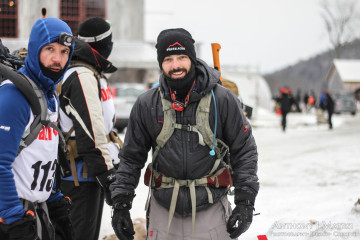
[(265, 34)]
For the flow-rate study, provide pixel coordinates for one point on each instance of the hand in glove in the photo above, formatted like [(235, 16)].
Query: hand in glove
[(59, 216), (104, 180), (24, 228), (121, 220), (240, 219), (114, 149)]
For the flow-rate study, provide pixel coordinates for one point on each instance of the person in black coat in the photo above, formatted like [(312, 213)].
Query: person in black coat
[(189, 98), (286, 100), (329, 107)]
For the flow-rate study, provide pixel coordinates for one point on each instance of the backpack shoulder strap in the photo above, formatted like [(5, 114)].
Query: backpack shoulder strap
[(77, 63), (39, 118), (168, 126), (23, 86), (37, 100), (202, 119)]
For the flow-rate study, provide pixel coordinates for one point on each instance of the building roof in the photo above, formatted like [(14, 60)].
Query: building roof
[(348, 69), (134, 55), (253, 88)]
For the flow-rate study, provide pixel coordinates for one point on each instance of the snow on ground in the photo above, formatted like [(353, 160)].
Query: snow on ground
[(309, 180)]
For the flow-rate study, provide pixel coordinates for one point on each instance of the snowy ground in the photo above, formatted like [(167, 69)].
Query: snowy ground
[(309, 180)]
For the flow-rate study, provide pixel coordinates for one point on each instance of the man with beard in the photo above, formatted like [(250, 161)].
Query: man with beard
[(86, 119), (29, 206), (201, 143)]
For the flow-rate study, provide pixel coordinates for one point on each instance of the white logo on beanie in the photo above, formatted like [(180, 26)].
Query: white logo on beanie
[(175, 47)]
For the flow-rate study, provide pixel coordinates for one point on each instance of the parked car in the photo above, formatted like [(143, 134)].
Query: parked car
[(344, 103), (125, 95)]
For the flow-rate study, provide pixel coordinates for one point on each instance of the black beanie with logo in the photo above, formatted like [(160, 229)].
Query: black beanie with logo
[(97, 33), (174, 42)]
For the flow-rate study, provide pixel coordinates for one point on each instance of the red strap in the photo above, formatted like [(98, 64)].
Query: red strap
[(262, 237), (177, 106)]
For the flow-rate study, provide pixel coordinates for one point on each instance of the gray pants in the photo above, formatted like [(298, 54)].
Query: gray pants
[(210, 224)]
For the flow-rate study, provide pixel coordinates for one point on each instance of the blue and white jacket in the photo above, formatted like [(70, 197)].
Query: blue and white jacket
[(29, 175)]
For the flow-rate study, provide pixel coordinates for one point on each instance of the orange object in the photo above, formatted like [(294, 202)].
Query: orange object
[(215, 51), (43, 12), (311, 100), (30, 213)]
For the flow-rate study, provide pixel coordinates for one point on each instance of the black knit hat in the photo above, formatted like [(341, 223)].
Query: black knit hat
[(175, 41), (97, 32)]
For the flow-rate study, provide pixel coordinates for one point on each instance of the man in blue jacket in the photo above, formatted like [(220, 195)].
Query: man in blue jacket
[(29, 206)]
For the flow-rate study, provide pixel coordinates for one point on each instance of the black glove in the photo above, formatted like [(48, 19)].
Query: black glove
[(121, 220), (104, 180), (242, 215), (59, 215), (24, 229)]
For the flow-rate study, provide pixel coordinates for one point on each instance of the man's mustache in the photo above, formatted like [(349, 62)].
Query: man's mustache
[(177, 70), (56, 65)]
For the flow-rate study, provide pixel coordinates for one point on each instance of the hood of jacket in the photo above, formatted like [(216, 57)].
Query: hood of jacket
[(44, 31), (84, 52), (206, 79)]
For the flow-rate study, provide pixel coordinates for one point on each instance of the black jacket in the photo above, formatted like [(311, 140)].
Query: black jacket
[(285, 101), (182, 156), (330, 105), (81, 92)]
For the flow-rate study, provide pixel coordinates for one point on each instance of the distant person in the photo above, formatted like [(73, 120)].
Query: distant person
[(320, 111), (311, 101), (322, 101), (330, 105), (285, 100), (306, 100), (298, 99), (314, 95)]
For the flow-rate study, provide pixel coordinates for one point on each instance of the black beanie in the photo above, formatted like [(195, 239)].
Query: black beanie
[(97, 33), (175, 41)]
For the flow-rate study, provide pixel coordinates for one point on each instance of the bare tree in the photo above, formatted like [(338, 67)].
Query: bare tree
[(340, 18)]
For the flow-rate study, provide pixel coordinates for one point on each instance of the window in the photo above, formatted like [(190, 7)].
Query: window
[(73, 12), (8, 18)]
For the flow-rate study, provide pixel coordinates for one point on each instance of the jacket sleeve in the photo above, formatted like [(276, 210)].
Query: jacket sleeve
[(80, 100), (14, 116), (133, 155), (243, 150)]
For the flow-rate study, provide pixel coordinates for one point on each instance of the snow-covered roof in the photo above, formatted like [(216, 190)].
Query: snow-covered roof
[(348, 69), (134, 55), (253, 88)]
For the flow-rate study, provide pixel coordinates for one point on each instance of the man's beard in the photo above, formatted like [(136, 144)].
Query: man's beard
[(52, 74), (181, 86)]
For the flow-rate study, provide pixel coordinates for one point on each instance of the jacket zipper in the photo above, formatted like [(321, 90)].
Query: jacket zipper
[(184, 144)]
